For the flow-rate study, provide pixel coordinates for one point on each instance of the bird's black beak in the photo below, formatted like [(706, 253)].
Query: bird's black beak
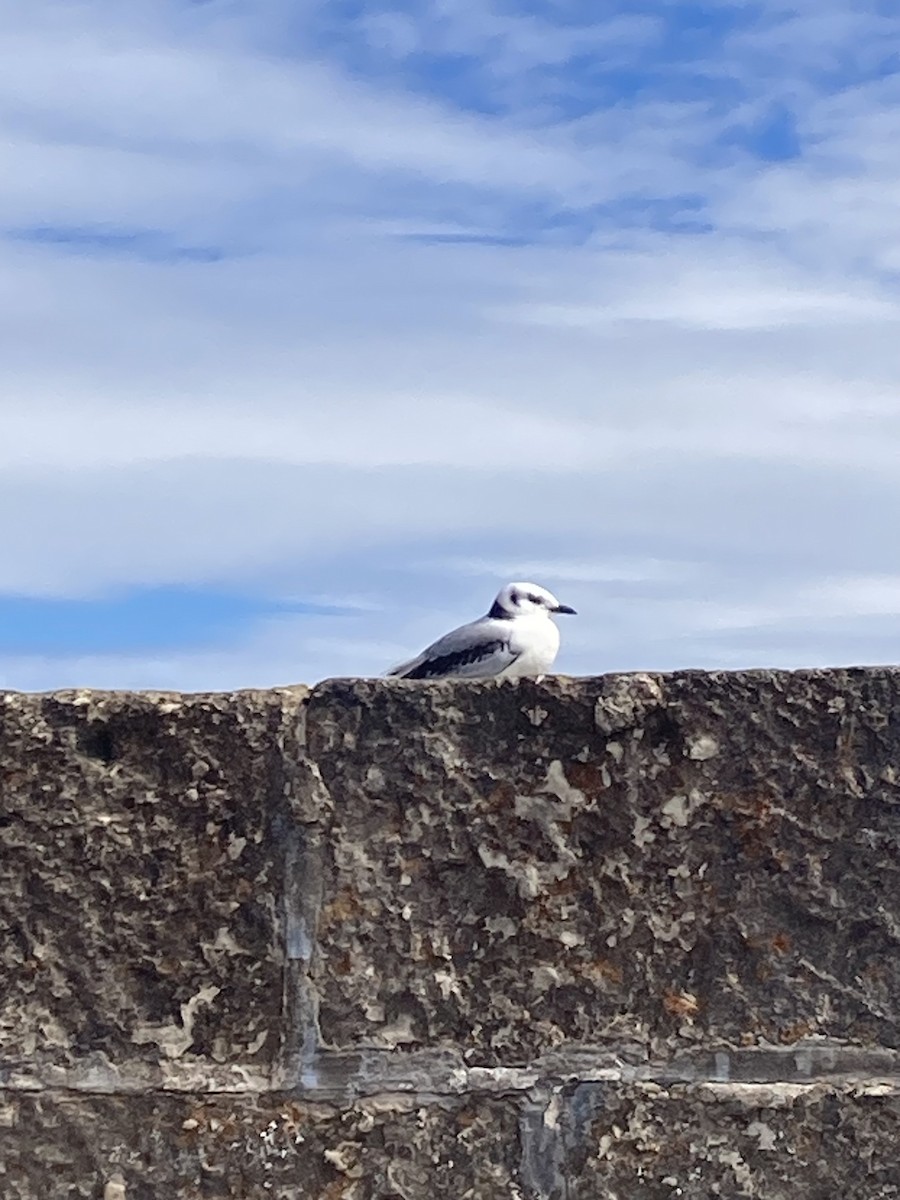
[(564, 608)]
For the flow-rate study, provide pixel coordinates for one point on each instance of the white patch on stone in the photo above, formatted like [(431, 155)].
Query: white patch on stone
[(641, 834), (235, 847), (505, 926), (495, 1079), (877, 1089), (345, 1159), (223, 941), (557, 785), (529, 880), (755, 1095), (553, 1111), (375, 780), (447, 982), (702, 747), (537, 715), (258, 1042), (545, 978), (679, 809), (764, 1134), (400, 1033), (173, 1039), (742, 1173)]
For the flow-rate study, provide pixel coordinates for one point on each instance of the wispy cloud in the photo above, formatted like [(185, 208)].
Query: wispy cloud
[(308, 302)]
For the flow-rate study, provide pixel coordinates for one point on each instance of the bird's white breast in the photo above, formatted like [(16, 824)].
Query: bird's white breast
[(536, 640)]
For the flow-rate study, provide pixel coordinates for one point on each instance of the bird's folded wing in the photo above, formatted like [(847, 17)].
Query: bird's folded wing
[(474, 651)]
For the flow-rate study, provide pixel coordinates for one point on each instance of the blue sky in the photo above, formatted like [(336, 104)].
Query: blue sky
[(319, 322)]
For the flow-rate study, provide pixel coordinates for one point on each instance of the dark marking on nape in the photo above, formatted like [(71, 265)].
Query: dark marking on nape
[(499, 613), (433, 668)]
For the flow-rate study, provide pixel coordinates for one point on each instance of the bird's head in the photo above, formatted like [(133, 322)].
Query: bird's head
[(521, 599)]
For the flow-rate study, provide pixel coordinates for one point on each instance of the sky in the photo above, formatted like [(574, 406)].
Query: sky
[(321, 321)]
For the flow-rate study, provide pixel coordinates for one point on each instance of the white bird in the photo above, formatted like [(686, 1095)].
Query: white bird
[(516, 637)]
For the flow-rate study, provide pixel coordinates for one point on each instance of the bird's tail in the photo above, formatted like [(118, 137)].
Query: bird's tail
[(405, 670)]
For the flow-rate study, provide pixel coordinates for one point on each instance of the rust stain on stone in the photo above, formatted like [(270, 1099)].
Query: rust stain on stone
[(681, 1004), (600, 970)]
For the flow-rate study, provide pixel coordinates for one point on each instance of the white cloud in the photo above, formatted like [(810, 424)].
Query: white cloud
[(691, 430), (824, 600), (135, 98), (589, 570)]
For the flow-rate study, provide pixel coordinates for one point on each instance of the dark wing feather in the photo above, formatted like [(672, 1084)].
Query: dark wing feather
[(475, 651), (457, 660)]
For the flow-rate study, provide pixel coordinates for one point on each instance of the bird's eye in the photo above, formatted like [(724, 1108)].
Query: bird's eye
[(535, 599)]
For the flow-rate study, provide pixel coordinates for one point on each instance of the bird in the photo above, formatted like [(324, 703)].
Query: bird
[(515, 637)]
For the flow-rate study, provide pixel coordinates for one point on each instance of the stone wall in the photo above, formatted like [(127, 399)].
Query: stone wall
[(635, 938)]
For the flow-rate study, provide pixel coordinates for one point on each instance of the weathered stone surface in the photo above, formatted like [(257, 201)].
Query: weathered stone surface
[(635, 937), (647, 861), (69, 1147), (732, 1141), (615, 1140), (141, 880)]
